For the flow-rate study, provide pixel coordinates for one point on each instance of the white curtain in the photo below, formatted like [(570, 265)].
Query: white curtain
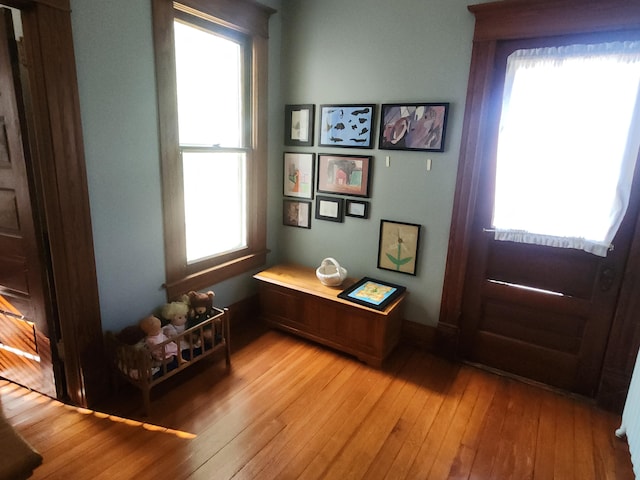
[(567, 147)]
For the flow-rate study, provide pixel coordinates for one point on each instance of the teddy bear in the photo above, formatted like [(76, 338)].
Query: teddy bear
[(152, 327), (201, 309)]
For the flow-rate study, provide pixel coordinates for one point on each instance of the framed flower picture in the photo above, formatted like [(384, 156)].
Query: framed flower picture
[(398, 246)]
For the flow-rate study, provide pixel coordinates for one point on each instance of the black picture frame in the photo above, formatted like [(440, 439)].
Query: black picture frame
[(296, 213), (298, 174), (372, 293), (398, 246), (341, 174), (356, 208), (329, 208), (347, 126), (413, 126), (299, 125)]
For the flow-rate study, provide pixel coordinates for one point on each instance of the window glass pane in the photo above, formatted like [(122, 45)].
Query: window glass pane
[(209, 78), (215, 203)]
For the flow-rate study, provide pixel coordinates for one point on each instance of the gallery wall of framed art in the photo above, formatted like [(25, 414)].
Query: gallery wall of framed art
[(334, 186)]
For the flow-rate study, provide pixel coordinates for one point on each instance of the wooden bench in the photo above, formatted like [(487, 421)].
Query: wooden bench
[(294, 300)]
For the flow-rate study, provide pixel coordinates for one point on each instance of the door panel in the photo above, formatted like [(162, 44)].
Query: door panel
[(539, 312), (568, 272), (25, 349)]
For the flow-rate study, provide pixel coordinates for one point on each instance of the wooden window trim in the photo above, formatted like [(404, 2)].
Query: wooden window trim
[(251, 18)]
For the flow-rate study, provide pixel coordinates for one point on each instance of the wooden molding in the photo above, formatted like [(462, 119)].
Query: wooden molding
[(248, 15), (61, 174), (511, 19), (418, 335)]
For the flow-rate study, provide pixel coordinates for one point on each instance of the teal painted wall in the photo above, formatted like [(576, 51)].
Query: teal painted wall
[(381, 51), (115, 65), (329, 51)]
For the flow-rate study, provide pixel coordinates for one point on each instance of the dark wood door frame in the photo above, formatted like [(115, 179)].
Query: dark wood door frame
[(60, 174), (511, 20)]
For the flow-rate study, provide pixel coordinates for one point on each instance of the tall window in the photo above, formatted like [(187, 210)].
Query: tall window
[(213, 133), (568, 143), (210, 70)]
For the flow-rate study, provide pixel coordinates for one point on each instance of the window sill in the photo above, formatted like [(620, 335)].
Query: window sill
[(211, 276)]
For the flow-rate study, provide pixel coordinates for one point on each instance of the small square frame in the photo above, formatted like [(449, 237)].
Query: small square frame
[(330, 208), (356, 208), (344, 174), (296, 213), (348, 126), (372, 293), (298, 174), (398, 246), (413, 126), (298, 125)]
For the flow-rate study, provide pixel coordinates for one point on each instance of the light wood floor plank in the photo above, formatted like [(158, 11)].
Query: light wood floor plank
[(418, 434), (461, 465), (290, 409)]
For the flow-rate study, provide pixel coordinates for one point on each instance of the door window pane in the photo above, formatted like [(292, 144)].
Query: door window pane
[(566, 146)]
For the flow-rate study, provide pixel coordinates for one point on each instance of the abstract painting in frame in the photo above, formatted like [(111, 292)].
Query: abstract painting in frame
[(413, 126), (298, 174), (298, 125), (349, 126), (344, 174), (398, 247), (296, 213)]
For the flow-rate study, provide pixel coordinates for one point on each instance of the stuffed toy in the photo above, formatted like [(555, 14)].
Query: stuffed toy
[(201, 309), (177, 313), (152, 327)]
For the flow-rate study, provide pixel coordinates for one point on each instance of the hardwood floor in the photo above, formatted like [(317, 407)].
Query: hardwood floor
[(291, 409)]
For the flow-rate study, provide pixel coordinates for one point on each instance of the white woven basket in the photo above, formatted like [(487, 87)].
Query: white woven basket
[(330, 273)]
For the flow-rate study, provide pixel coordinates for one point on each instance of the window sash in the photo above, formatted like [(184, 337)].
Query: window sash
[(215, 199), (251, 19)]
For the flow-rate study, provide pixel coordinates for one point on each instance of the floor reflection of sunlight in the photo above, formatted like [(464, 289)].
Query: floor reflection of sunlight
[(133, 423), (101, 415)]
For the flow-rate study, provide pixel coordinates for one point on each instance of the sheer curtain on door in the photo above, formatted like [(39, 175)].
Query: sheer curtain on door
[(567, 146)]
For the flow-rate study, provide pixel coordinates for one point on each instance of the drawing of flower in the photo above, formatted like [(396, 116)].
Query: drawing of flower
[(397, 248)]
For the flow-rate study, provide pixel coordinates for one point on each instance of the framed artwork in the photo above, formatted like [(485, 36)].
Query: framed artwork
[(413, 126), (296, 213), (298, 125), (372, 293), (348, 126), (344, 174), (398, 247), (298, 174), (356, 208), (329, 208)]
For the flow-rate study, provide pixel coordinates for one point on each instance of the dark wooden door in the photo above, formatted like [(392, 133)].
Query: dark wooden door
[(539, 312), (25, 349)]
